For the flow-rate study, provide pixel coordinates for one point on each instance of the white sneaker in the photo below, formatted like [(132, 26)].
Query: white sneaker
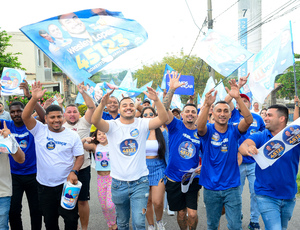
[(160, 225), (171, 213), (151, 227)]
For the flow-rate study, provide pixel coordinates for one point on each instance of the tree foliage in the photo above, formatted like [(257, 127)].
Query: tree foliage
[(192, 65), (287, 80), (7, 59)]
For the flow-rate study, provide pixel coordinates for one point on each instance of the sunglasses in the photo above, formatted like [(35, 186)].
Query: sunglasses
[(146, 114)]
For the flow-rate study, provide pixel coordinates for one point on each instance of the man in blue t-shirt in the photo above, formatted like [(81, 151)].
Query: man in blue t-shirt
[(220, 174), (184, 147), (23, 175), (275, 186), (247, 168)]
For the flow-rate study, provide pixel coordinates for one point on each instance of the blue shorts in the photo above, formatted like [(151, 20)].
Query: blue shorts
[(156, 169)]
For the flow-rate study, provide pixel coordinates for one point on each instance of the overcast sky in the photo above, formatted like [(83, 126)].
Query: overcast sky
[(169, 23)]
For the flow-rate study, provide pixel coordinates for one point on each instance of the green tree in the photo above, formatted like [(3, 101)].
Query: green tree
[(7, 59), (287, 81)]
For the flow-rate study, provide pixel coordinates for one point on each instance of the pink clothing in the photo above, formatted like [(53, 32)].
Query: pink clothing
[(104, 195)]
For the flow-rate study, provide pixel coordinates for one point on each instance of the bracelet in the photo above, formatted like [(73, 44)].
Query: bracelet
[(75, 171)]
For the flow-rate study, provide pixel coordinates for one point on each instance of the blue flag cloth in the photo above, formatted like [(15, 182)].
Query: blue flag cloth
[(187, 88), (269, 62), (83, 42), (160, 93), (168, 70), (222, 53)]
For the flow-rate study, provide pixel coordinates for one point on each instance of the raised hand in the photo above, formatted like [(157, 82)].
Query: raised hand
[(37, 91), (81, 88), (5, 131), (210, 98), (59, 98), (174, 81), (243, 81), (48, 102), (152, 94), (104, 99), (234, 89), (24, 86)]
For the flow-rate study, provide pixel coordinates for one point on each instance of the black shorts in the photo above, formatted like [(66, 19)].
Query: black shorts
[(178, 200), (84, 176)]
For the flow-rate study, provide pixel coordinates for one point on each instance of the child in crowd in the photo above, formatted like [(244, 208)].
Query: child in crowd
[(98, 144)]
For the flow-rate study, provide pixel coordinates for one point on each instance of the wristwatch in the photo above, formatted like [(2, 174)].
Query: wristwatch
[(75, 171)]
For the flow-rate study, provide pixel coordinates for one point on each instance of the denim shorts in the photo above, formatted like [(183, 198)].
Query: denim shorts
[(156, 169)]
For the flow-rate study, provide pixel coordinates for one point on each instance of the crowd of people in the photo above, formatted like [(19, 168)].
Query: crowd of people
[(142, 151)]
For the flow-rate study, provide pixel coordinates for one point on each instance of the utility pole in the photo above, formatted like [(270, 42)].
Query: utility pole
[(210, 26)]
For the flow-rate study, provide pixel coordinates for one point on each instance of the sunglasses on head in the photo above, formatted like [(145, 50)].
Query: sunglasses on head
[(146, 114)]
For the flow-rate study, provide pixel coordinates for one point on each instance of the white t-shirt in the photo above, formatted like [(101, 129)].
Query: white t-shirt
[(82, 127), (5, 176), (127, 148), (55, 154)]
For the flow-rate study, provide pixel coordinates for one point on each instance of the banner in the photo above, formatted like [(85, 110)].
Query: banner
[(10, 81), (83, 42), (222, 53), (275, 148), (269, 62), (187, 88), (168, 70)]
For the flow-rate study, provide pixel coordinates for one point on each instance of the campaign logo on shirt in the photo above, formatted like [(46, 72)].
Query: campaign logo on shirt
[(50, 145), (104, 163), (187, 149), (99, 156), (274, 149), (196, 135), (134, 133), (291, 135), (23, 144), (215, 137), (224, 147), (129, 147), (253, 131), (254, 123)]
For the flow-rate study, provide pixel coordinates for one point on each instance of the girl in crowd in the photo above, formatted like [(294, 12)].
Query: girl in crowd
[(263, 113), (155, 159), (98, 144)]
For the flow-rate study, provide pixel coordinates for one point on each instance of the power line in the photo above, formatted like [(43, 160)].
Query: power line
[(226, 9)]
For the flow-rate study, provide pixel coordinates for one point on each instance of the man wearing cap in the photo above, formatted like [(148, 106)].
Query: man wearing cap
[(247, 168), (176, 113)]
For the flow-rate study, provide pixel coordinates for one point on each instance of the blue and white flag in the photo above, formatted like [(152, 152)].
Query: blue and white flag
[(160, 93), (83, 42), (209, 85), (269, 62), (168, 70), (10, 81), (187, 88), (176, 102), (222, 53), (198, 100), (90, 90)]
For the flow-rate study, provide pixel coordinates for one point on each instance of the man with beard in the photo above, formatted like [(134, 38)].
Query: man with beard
[(23, 175), (82, 126), (56, 148), (184, 149), (130, 185)]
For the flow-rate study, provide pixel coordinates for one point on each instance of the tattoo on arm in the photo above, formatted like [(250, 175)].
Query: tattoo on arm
[(168, 98)]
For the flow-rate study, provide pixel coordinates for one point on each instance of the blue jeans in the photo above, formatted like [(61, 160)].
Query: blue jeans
[(248, 170), (4, 211), (130, 195), (275, 213), (214, 202)]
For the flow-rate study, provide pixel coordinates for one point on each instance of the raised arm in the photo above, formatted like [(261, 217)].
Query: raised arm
[(202, 119), (97, 120), (248, 148), (38, 108), (162, 115), (88, 102), (18, 156), (37, 93), (174, 84), (241, 83)]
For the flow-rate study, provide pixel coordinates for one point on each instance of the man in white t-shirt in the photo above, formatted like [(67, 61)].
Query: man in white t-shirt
[(56, 148), (130, 186), (82, 126)]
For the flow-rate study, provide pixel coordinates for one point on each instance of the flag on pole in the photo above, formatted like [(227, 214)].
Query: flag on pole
[(168, 70)]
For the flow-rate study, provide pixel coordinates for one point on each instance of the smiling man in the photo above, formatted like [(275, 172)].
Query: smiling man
[(129, 172), (56, 148)]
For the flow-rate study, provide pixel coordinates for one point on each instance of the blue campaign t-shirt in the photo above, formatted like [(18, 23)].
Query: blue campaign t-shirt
[(184, 147), (257, 125), (26, 142), (279, 180), (220, 170), (106, 116)]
